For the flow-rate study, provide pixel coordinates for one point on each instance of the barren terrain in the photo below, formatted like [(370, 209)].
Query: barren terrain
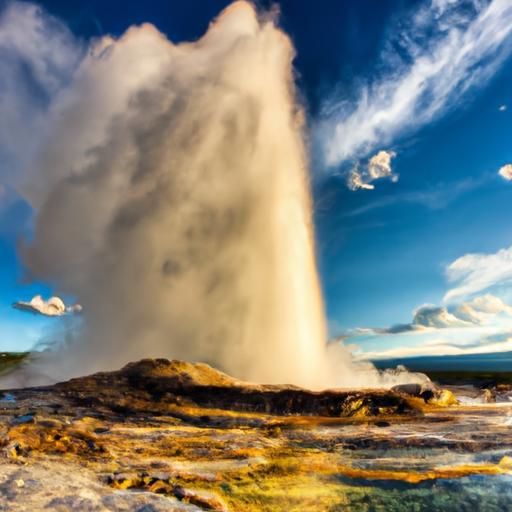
[(167, 435)]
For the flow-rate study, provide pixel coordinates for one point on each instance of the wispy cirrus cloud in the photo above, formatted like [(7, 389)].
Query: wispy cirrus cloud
[(446, 347), (475, 272), (445, 49), (435, 197)]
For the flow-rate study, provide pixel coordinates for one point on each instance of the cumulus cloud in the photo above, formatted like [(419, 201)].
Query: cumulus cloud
[(439, 54), (475, 272), (437, 318), (479, 311), (378, 167), (506, 172), (481, 325), (54, 306)]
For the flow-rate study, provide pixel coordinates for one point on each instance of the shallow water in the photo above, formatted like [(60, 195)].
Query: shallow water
[(456, 458)]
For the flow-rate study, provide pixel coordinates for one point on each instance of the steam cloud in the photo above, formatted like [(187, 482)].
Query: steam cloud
[(172, 199)]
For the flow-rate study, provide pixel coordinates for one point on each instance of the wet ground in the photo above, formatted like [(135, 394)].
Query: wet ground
[(159, 438)]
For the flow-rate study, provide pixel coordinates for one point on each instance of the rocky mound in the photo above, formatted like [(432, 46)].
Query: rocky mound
[(160, 385)]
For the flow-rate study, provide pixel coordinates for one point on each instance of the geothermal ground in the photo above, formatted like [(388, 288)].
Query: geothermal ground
[(163, 436)]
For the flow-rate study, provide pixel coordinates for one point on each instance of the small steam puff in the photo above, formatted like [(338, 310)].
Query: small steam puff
[(172, 198), (54, 306)]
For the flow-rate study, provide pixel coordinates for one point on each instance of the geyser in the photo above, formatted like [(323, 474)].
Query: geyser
[(171, 190), (172, 197)]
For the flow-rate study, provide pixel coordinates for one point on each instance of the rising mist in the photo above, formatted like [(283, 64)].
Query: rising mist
[(172, 197)]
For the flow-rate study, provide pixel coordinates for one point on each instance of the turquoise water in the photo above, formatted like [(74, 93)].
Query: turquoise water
[(468, 494)]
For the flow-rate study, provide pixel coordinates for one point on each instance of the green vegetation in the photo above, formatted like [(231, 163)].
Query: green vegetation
[(9, 360)]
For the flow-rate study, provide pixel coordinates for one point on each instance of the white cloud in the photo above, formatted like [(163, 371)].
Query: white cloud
[(489, 304), (474, 273), (480, 311), (446, 49), (378, 167), (356, 181), (482, 325), (437, 318), (54, 306), (440, 347), (502, 108), (506, 172)]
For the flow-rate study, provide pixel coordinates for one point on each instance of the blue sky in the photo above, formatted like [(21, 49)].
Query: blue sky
[(383, 252)]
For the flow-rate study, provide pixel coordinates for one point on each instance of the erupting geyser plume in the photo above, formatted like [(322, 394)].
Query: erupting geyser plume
[(172, 200)]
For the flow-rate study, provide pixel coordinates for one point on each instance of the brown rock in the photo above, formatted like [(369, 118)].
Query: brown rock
[(159, 384)]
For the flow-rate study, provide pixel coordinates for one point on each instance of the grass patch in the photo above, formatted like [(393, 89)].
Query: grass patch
[(9, 360)]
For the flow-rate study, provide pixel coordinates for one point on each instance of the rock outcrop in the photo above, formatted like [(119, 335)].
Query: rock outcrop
[(160, 384)]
